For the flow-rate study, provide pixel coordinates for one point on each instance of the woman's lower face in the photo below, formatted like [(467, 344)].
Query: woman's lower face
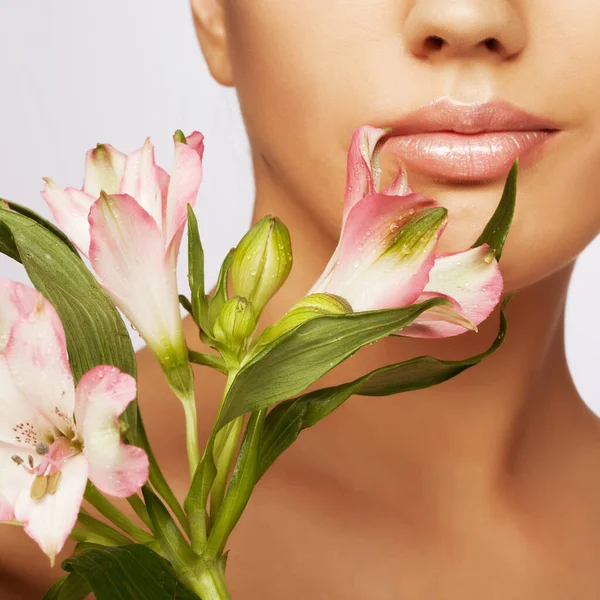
[(308, 73)]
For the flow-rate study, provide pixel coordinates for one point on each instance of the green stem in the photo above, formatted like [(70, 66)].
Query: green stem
[(160, 484), (191, 433), (210, 584), (208, 360), (140, 509), (114, 515), (80, 535), (224, 460), (102, 529)]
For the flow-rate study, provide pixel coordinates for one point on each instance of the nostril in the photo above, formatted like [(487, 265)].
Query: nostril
[(492, 44), (433, 42)]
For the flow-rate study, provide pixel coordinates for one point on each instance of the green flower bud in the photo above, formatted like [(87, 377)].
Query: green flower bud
[(311, 307), (262, 261), (236, 321)]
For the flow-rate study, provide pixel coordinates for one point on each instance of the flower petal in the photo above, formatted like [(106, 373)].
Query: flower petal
[(104, 168), (14, 479), (186, 178), (146, 182), (49, 520), (128, 256), (386, 251), (361, 179), (36, 354), (70, 208), (16, 300), (114, 467), (473, 279)]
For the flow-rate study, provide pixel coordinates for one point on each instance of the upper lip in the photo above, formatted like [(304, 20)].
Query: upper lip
[(446, 115)]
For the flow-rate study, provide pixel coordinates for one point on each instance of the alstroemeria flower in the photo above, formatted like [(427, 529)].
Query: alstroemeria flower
[(53, 435), (129, 219), (387, 253)]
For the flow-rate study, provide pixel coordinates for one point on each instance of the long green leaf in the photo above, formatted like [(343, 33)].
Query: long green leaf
[(69, 587), (298, 358), (496, 231), (96, 334), (27, 212), (196, 273), (285, 422), (132, 572)]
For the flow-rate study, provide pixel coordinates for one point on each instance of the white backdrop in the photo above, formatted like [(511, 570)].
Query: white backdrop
[(76, 73)]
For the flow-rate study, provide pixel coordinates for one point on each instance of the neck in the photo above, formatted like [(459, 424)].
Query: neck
[(459, 439)]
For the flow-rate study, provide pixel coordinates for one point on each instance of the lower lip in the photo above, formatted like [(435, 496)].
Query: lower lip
[(467, 157)]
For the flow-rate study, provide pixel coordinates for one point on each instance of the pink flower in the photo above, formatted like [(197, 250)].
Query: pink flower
[(387, 253), (53, 435), (129, 219)]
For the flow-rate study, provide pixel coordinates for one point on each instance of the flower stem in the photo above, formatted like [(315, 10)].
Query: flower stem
[(114, 515), (191, 433), (80, 535), (159, 483), (224, 460), (97, 527), (210, 584), (140, 509)]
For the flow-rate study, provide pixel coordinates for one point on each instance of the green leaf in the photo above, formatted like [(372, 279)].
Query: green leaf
[(196, 272), (172, 542), (244, 478), (496, 231), (27, 212), (69, 587), (298, 358), (132, 572), (285, 422), (96, 334)]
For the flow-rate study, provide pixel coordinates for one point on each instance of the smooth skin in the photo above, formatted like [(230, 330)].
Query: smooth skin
[(484, 487)]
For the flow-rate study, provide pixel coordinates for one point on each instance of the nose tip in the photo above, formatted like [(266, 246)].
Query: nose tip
[(453, 28)]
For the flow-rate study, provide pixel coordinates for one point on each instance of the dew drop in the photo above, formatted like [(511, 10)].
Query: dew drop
[(361, 247), (253, 273), (368, 232), (411, 211), (484, 289), (356, 264), (394, 227), (488, 258)]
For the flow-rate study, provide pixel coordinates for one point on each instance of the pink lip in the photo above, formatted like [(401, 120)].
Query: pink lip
[(468, 142)]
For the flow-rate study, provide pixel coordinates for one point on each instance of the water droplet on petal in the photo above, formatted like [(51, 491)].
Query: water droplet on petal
[(361, 247), (394, 227), (356, 264), (440, 276), (411, 211), (484, 289), (368, 232)]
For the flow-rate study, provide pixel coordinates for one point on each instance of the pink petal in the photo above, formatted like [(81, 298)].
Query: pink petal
[(146, 182), (186, 178), (114, 467), (472, 278), (49, 521), (104, 167), (70, 208), (196, 141), (36, 354), (369, 276), (21, 421), (16, 300), (361, 179), (128, 256)]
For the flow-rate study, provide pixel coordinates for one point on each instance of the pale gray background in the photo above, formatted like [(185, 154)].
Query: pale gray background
[(74, 72)]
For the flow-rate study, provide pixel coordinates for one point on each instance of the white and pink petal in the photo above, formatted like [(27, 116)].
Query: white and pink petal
[(50, 520), (16, 300), (473, 279), (36, 355), (104, 168), (114, 467), (70, 208), (128, 257), (186, 177)]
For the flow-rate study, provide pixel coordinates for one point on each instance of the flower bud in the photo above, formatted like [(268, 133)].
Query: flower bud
[(311, 307), (262, 261), (236, 321)]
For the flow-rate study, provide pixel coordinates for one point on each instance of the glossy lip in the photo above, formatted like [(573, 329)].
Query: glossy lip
[(467, 142)]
